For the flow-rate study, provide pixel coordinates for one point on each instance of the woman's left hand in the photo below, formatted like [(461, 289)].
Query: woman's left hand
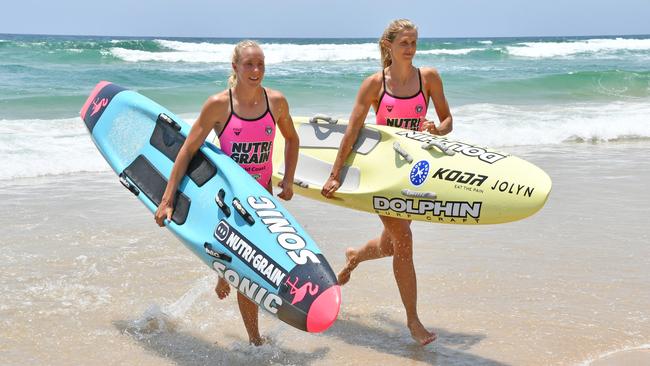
[(287, 190), (430, 127)]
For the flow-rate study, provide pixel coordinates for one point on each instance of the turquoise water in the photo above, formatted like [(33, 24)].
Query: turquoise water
[(502, 91), (48, 76)]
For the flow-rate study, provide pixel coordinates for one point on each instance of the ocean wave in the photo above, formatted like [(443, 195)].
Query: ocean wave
[(581, 85), (275, 53), (460, 51), (507, 125), (196, 52), (572, 48), (38, 147)]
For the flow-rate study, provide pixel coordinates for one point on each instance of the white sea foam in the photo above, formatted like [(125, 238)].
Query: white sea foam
[(571, 48), (34, 147), (37, 147), (275, 52), (505, 125), (196, 52), (605, 355)]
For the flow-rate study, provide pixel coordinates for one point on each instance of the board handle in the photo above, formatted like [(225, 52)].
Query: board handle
[(416, 194), (168, 120), (300, 183), (398, 149), (128, 185), (324, 118), (215, 253), (222, 205), (242, 212), (444, 149)]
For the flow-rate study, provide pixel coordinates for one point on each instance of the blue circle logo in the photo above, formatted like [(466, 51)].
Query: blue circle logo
[(419, 172)]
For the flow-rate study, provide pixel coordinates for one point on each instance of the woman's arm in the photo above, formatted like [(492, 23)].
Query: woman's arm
[(198, 133), (291, 144), (365, 97), (436, 92)]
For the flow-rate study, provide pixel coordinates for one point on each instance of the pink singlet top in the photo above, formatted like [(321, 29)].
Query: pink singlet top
[(404, 112), (249, 142)]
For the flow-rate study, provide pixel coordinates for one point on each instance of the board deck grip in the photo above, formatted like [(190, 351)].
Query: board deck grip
[(398, 149), (152, 183), (415, 194), (444, 149)]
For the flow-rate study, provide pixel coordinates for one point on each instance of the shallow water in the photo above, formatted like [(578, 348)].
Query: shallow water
[(88, 278)]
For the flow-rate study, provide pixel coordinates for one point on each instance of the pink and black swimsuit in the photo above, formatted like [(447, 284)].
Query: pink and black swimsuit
[(249, 142), (404, 112)]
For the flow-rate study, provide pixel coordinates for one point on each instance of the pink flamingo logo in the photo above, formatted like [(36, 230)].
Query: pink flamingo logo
[(98, 105), (300, 292)]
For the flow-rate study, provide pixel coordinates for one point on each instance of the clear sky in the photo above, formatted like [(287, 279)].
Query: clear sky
[(320, 18)]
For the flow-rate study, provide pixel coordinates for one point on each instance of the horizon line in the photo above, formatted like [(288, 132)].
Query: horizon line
[(285, 37)]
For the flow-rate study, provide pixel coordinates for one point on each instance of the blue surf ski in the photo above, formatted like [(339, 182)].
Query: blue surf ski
[(221, 213)]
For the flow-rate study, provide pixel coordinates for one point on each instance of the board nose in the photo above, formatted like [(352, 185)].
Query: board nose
[(324, 310), (91, 97)]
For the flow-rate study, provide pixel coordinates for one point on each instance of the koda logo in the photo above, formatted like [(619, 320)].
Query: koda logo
[(418, 108), (460, 177), (389, 108), (269, 130), (236, 131), (419, 172), (98, 104)]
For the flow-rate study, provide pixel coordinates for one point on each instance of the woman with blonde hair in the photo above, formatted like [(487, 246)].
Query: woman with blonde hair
[(400, 95), (244, 116)]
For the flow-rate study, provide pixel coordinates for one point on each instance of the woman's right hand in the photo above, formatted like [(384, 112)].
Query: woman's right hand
[(164, 211), (331, 185)]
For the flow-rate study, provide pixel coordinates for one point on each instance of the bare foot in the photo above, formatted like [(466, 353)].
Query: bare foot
[(222, 289), (351, 263), (421, 334), (258, 341)]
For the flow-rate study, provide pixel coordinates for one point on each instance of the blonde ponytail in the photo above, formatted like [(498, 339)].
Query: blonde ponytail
[(389, 35)]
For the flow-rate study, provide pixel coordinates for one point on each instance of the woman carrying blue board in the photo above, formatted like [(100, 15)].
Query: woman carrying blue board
[(399, 94), (244, 117)]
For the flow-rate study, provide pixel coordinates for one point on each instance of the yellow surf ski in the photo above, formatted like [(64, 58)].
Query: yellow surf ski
[(415, 175)]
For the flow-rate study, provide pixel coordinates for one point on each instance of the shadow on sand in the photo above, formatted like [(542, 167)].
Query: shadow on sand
[(187, 350), (393, 338)]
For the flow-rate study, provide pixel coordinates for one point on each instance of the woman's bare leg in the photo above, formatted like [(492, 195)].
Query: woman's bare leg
[(404, 270), (376, 248), (248, 310)]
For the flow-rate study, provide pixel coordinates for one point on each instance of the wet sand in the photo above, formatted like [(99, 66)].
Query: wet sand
[(88, 278)]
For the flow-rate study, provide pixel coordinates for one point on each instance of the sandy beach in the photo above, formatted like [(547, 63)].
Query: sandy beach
[(88, 278)]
